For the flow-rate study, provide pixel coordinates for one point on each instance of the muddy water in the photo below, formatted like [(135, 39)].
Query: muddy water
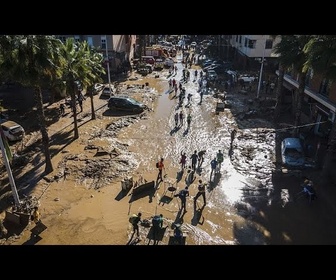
[(81, 210)]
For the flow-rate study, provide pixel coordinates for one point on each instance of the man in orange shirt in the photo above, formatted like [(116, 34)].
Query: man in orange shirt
[(160, 167)]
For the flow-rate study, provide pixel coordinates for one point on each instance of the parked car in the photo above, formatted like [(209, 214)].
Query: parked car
[(247, 78), (97, 88), (212, 75), (292, 154), (168, 63), (125, 103), (12, 130), (107, 92)]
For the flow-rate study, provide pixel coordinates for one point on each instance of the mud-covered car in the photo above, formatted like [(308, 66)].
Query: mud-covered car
[(125, 103), (12, 130), (292, 153)]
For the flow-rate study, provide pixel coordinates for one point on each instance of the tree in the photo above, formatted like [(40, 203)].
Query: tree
[(30, 60), (291, 51), (95, 64), (76, 72), (321, 57)]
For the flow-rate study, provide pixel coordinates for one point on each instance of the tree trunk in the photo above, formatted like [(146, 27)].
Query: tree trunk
[(74, 110), (93, 113), (328, 166), (300, 95), (279, 97), (43, 128)]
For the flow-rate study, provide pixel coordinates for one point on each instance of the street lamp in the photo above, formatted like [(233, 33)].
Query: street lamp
[(261, 67), (108, 66)]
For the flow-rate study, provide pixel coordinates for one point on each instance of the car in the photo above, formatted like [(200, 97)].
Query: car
[(292, 153), (212, 75), (12, 130), (193, 44), (107, 92), (247, 78), (125, 103), (168, 62)]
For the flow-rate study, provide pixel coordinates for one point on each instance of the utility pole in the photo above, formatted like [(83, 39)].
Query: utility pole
[(108, 65), (9, 172), (261, 66)]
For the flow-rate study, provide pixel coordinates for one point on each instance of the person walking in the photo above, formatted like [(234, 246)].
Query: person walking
[(201, 192), (36, 218), (189, 120), (183, 160), (183, 196), (62, 109), (36, 215), (80, 99), (157, 224), (194, 158), (201, 157), (220, 159), (160, 166), (178, 234), (176, 118), (134, 220), (213, 164), (181, 117)]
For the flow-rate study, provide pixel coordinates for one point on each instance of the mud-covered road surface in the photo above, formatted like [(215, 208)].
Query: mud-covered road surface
[(248, 202)]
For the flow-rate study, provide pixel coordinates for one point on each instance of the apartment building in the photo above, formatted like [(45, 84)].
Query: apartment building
[(118, 48), (251, 50)]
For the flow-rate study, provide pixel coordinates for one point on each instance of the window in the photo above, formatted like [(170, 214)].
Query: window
[(240, 39), (269, 44), (252, 44), (62, 38), (325, 87), (103, 42), (90, 41), (237, 38), (76, 38), (309, 77)]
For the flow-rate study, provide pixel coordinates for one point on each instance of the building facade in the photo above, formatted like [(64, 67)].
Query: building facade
[(251, 50), (117, 48)]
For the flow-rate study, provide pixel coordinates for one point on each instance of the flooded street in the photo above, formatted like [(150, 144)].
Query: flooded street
[(88, 206)]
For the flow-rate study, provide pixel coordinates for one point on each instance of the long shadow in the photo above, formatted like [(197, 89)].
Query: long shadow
[(159, 234), (166, 199), (214, 182), (174, 130), (31, 177), (179, 175), (197, 215), (32, 240), (13, 228), (150, 193), (122, 194), (285, 220)]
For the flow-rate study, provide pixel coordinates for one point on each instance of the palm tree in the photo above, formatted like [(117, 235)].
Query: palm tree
[(95, 63), (321, 54), (30, 62), (291, 51), (279, 96), (76, 70)]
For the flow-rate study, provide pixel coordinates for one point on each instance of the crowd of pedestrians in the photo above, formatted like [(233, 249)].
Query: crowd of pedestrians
[(190, 165)]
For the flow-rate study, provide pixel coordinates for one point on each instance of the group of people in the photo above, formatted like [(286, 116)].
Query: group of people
[(157, 225)]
